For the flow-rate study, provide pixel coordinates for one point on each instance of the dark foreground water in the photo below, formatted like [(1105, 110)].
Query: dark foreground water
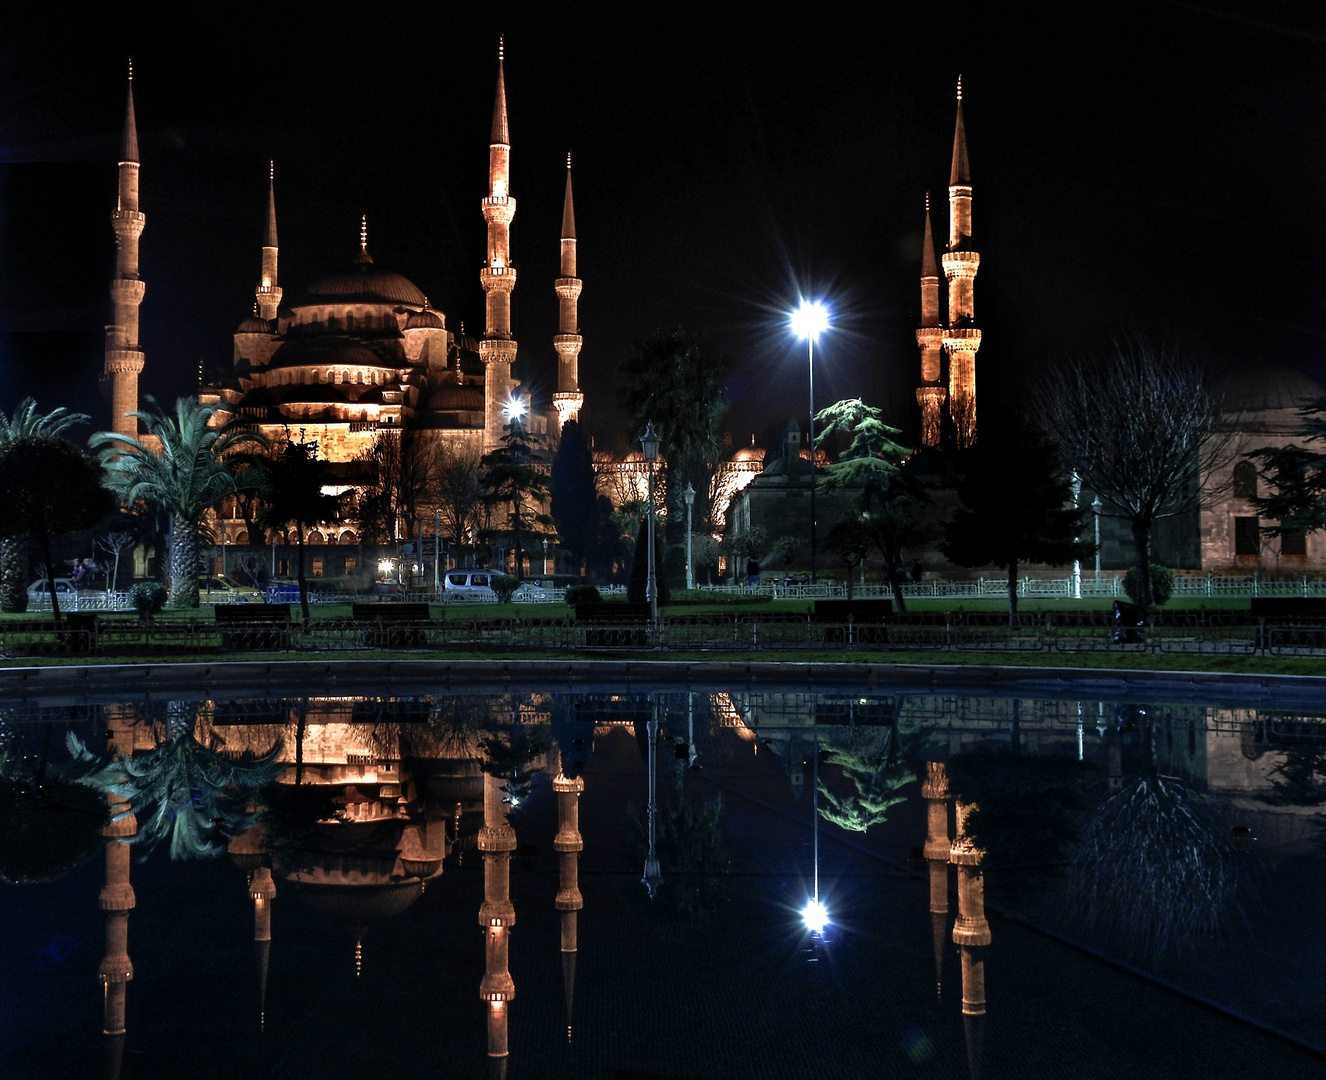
[(451, 886)]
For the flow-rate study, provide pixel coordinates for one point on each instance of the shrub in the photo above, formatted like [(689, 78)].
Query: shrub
[(1162, 584), (504, 585), (148, 598), (582, 594)]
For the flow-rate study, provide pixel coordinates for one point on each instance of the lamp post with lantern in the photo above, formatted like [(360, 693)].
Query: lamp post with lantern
[(809, 321), (649, 445), (689, 496)]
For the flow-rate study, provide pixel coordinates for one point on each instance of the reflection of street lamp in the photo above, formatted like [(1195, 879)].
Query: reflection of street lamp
[(689, 496), (649, 444), (809, 321), (653, 875), (815, 915)]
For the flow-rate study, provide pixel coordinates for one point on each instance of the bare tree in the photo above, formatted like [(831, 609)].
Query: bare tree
[(459, 490), (112, 545), (1140, 425)]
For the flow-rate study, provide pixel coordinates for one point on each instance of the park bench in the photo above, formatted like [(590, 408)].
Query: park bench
[(393, 626), (609, 624), (246, 627), (858, 622)]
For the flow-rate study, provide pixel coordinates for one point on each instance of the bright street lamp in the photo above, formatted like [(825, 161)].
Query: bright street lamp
[(689, 496), (515, 408), (809, 321), (649, 444)]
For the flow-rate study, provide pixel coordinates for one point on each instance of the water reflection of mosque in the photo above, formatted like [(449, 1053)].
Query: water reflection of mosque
[(384, 801)]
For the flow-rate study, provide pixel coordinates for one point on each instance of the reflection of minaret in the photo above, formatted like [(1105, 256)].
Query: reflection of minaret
[(934, 789), (116, 899), (498, 276), (263, 891), (569, 901), (960, 261), (497, 915), (568, 399), (971, 933), (124, 353)]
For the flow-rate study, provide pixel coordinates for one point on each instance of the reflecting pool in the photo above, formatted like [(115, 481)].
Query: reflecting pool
[(688, 881)]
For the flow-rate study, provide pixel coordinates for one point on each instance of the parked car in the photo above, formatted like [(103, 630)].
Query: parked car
[(531, 592), (215, 589), (468, 587), (39, 591)]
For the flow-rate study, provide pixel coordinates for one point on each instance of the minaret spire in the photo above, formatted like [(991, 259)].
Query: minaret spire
[(269, 292), (124, 355), (568, 399), (498, 277), (961, 340), (930, 339), (568, 845)]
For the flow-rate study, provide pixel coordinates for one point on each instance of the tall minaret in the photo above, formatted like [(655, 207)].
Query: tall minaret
[(124, 355), (269, 292), (930, 338), (568, 845), (497, 840), (961, 339), (498, 277), (116, 899), (568, 399), (263, 890)]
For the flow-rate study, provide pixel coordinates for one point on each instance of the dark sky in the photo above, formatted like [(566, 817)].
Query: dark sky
[(1135, 166)]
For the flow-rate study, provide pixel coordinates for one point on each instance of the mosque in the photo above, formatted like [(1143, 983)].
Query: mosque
[(362, 350)]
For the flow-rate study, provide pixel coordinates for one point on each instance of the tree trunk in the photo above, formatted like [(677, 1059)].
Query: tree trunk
[(50, 576), (1142, 562), (897, 586), (299, 576), (1013, 593), (15, 571), (185, 563)]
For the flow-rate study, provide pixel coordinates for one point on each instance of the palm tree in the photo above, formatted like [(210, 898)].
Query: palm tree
[(15, 570), (179, 467)]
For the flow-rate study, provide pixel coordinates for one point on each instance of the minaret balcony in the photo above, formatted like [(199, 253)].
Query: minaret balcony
[(117, 897), (125, 290), (930, 337), (497, 278), (569, 900), (568, 344), (128, 223), (498, 209), (497, 351), (569, 288), (121, 361), (960, 264), (962, 339)]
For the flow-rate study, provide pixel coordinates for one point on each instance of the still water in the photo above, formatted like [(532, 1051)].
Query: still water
[(584, 883)]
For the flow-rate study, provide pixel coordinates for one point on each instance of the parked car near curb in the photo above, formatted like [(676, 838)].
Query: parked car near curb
[(468, 587), (215, 589), (39, 591)]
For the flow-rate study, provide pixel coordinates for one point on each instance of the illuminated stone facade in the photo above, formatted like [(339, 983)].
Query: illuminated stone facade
[(124, 353)]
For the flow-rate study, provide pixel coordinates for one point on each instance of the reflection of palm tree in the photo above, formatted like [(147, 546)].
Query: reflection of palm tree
[(47, 824), (181, 790), (870, 758)]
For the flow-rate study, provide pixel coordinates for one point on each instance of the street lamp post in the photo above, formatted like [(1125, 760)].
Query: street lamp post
[(545, 556), (689, 496), (1095, 508), (437, 549), (649, 444), (809, 321)]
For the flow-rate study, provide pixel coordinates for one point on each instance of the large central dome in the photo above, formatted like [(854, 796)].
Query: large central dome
[(364, 283)]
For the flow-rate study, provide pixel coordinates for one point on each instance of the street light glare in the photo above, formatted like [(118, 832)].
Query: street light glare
[(810, 320), (514, 408), (816, 917)]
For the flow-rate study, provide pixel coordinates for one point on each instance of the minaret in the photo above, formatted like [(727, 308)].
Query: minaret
[(971, 933), (498, 277), (568, 845), (497, 915), (930, 338), (124, 355), (961, 339), (938, 848), (568, 399), (269, 292)]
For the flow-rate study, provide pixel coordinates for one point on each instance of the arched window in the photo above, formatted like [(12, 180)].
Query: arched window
[(314, 537), (1245, 480), (349, 537)]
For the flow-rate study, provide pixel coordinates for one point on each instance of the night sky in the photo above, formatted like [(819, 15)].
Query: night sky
[(1152, 167)]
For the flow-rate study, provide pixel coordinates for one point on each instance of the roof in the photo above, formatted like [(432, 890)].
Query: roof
[(363, 283), (427, 319)]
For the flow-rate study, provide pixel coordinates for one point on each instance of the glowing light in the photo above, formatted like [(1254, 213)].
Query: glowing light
[(384, 566), (816, 916), (514, 409), (810, 320)]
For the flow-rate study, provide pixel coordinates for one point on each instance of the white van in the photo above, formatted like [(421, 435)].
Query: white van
[(468, 587)]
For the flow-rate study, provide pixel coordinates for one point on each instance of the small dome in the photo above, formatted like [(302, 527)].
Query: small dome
[(749, 453), (427, 319), (1268, 386), (254, 325)]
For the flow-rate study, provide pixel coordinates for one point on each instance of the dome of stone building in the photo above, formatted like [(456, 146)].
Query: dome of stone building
[(1266, 386), (331, 351), (254, 325), (363, 283), (428, 319)]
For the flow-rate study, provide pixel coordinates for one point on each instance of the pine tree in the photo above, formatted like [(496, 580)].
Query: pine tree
[(515, 475)]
